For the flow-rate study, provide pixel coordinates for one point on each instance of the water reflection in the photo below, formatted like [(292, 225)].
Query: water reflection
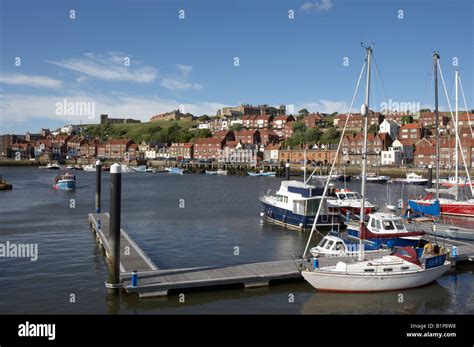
[(430, 298)]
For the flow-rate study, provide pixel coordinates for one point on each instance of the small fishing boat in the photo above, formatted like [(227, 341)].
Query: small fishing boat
[(295, 205), (89, 168), (384, 229), (67, 181), (453, 182), (175, 170), (127, 168), (140, 168), (349, 202), (262, 174), (211, 172), (4, 185), (374, 178), (412, 178), (51, 166)]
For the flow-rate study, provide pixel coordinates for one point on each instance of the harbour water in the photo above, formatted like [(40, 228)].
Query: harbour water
[(180, 221)]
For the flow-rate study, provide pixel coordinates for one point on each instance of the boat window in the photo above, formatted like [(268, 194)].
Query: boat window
[(330, 243), (357, 195), (387, 269), (323, 242), (372, 223), (388, 225), (379, 226), (342, 196), (399, 225), (312, 206), (369, 270), (339, 246), (350, 196)]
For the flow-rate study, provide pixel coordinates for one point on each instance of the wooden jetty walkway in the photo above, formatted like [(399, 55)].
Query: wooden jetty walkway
[(132, 270), (132, 257)]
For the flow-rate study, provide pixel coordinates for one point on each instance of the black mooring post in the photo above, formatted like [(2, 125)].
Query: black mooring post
[(287, 170), (430, 176), (114, 232), (98, 185)]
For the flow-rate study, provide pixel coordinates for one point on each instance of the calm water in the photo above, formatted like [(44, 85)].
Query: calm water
[(220, 213)]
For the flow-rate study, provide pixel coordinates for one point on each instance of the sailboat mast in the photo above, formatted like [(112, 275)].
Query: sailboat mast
[(456, 171), (435, 67), (365, 114)]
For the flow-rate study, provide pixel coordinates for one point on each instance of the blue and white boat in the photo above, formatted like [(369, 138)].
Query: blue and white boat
[(175, 170), (384, 229), (295, 206), (262, 174), (66, 181)]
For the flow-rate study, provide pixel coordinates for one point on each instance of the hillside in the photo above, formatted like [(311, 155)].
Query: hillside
[(159, 131)]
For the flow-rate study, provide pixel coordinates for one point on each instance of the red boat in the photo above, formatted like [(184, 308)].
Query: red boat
[(349, 201)]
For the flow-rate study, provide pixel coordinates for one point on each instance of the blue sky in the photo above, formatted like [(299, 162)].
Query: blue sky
[(190, 61)]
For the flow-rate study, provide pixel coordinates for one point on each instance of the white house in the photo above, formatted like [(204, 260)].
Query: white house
[(397, 154), (391, 128)]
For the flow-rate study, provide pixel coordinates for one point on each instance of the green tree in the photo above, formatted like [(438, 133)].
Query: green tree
[(299, 127), (407, 119), (236, 127), (201, 133), (425, 110), (204, 117), (330, 136), (303, 111), (373, 128)]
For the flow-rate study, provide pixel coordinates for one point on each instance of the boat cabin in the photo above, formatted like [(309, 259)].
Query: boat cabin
[(300, 198), (385, 223)]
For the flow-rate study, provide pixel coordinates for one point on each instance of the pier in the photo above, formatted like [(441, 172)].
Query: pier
[(132, 271)]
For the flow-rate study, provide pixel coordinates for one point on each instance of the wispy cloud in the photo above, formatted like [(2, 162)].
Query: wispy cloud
[(180, 82), (20, 108), (109, 67), (318, 6), (31, 80)]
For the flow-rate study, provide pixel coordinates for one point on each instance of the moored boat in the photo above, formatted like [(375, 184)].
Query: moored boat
[(175, 170), (295, 205), (349, 202), (384, 229), (411, 178)]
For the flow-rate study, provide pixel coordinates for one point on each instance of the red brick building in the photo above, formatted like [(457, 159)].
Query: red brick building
[(412, 132), (208, 148), (116, 149), (312, 120), (250, 136), (268, 136), (279, 122), (182, 150)]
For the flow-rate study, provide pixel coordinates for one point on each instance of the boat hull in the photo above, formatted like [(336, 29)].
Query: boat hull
[(65, 185), (453, 208), (364, 283), (292, 220)]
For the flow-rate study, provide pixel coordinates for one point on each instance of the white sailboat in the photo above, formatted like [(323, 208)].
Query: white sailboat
[(403, 269)]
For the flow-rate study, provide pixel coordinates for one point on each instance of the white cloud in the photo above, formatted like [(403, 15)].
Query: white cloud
[(30, 80), (24, 108), (319, 6), (109, 67), (174, 84), (180, 82), (325, 106)]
